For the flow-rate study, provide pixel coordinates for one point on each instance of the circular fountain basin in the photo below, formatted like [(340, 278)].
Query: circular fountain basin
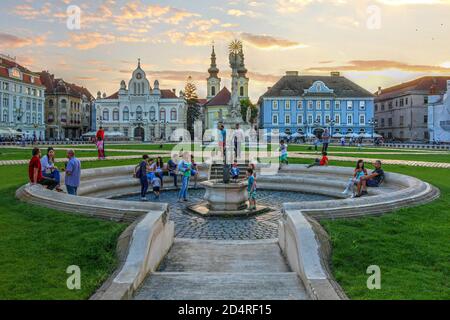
[(225, 200)]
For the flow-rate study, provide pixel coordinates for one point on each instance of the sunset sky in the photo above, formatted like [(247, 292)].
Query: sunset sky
[(374, 43)]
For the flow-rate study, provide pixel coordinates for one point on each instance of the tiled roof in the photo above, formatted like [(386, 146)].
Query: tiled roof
[(202, 101), (422, 85), (295, 86), (6, 64), (113, 96), (168, 94), (221, 99), (53, 85)]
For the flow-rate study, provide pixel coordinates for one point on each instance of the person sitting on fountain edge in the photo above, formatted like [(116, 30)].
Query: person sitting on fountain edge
[(235, 171)]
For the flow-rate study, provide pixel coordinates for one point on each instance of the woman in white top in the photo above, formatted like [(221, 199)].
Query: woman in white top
[(49, 170)]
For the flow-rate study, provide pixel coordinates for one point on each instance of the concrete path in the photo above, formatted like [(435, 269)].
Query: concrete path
[(223, 270)]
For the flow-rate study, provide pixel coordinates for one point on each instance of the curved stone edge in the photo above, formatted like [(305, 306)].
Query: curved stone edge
[(307, 246)]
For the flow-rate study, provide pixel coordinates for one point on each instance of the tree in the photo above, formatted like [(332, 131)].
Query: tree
[(245, 104), (193, 108)]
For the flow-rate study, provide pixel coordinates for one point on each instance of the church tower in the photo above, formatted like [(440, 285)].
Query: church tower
[(243, 80), (213, 80)]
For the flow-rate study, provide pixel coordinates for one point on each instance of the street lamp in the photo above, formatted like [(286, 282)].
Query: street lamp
[(373, 123)]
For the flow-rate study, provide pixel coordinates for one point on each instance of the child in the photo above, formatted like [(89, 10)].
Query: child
[(320, 162), (284, 153), (359, 172), (251, 189), (235, 171), (156, 183)]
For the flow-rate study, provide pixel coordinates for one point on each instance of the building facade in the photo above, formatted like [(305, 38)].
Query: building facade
[(22, 97), (439, 116), (68, 108), (401, 111), (310, 104), (218, 98), (141, 112)]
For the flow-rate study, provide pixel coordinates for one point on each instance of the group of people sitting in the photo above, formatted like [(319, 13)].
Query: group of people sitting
[(362, 179), (43, 171), (151, 172)]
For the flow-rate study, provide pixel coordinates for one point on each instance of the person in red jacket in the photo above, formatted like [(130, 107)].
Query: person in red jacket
[(35, 171), (101, 137)]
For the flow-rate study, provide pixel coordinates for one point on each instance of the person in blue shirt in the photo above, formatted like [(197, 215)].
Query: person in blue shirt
[(251, 189), (73, 173), (184, 168), (235, 171)]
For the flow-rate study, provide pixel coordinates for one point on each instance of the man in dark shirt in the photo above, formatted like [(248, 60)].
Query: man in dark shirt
[(35, 171), (373, 180)]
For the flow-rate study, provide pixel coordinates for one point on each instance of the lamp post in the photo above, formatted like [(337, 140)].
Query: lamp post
[(373, 123)]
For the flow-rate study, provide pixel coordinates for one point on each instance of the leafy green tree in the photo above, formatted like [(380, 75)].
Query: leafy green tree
[(245, 104)]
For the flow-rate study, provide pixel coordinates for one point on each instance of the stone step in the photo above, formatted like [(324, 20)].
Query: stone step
[(222, 286), (225, 256)]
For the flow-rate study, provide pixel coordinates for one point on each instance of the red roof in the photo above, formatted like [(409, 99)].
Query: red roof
[(6, 64), (168, 94), (221, 99), (53, 86), (202, 101), (423, 85), (113, 96)]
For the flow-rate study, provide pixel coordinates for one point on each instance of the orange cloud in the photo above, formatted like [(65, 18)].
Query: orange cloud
[(269, 42), (9, 41), (377, 65)]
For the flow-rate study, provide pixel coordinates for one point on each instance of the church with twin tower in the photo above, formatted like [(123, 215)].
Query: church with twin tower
[(218, 97)]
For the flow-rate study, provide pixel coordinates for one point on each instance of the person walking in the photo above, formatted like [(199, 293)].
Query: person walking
[(325, 140), (101, 136), (73, 173)]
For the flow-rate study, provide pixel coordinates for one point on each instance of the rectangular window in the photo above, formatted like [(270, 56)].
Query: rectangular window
[(319, 119), (362, 105), (125, 132), (299, 105), (425, 119), (310, 105), (288, 105), (337, 119), (275, 119), (401, 102), (390, 122), (349, 105), (382, 123), (287, 119), (402, 120), (275, 105), (362, 119), (350, 119), (327, 105), (300, 119), (337, 106), (425, 100), (318, 105), (310, 119), (327, 119)]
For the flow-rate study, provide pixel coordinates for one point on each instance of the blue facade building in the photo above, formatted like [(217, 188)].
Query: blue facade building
[(310, 104)]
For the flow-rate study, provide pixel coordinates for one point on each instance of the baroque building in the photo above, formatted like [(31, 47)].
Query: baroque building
[(310, 104), (139, 111), (439, 115), (401, 111), (219, 98), (22, 98), (68, 108)]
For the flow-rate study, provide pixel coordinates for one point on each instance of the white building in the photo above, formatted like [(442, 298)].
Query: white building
[(21, 100), (439, 116), (140, 111)]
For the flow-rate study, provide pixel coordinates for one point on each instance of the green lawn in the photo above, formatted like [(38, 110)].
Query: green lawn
[(411, 246), (38, 244)]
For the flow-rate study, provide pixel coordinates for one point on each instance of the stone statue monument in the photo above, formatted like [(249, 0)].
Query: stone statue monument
[(234, 108)]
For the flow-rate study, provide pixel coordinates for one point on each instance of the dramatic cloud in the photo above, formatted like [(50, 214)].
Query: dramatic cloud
[(90, 40), (377, 65), (9, 41), (269, 42)]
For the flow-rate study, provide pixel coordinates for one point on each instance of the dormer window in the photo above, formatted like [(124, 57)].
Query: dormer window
[(15, 73)]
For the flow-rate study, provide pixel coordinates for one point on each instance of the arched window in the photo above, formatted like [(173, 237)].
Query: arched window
[(162, 115), (139, 113), (173, 114), (116, 115), (63, 103), (152, 113), (134, 87), (242, 92), (126, 114), (34, 118), (64, 117), (213, 91), (51, 103), (106, 115)]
